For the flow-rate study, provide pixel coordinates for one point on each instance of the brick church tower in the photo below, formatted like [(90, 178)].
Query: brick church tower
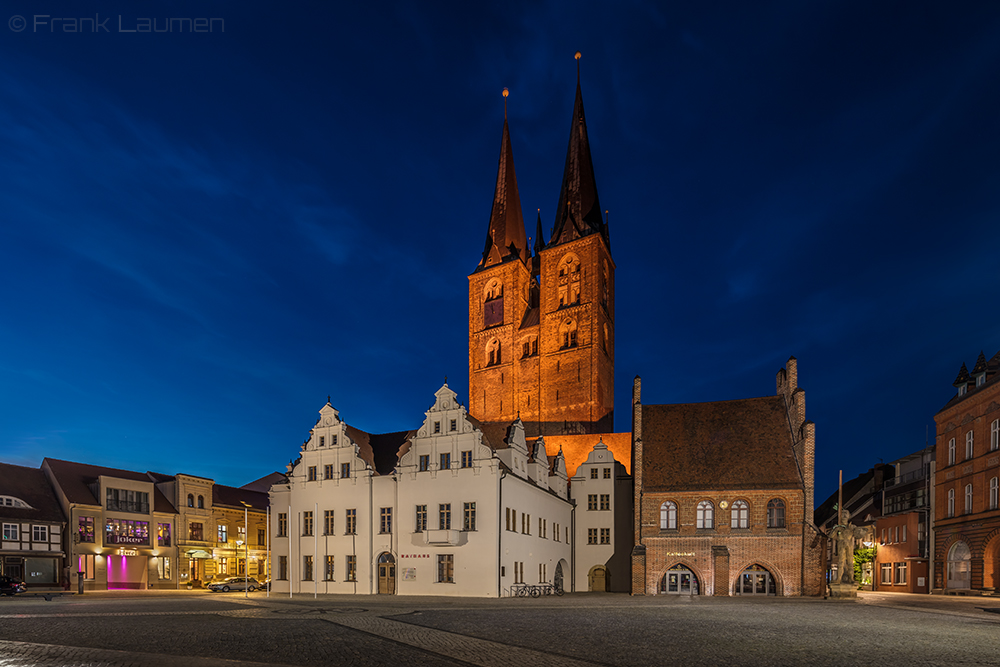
[(541, 323)]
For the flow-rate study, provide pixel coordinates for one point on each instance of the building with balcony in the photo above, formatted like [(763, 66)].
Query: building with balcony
[(904, 531), (439, 510), (121, 526), (967, 512)]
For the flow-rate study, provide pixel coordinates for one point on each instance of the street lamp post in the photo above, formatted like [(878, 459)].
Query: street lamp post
[(246, 560)]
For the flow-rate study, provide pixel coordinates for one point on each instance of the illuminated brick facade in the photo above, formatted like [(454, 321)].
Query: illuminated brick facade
[(724, 493), (541, 324), (967, 512)]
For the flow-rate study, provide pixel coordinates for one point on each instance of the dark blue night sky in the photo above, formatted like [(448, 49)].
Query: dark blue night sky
[(204, 235)]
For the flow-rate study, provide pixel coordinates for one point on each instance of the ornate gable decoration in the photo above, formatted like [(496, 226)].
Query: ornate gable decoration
[(445, 412), (329, 431), (993, 406)]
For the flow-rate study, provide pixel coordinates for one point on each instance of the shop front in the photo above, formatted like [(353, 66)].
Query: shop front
[(128, 570), (128, 561)]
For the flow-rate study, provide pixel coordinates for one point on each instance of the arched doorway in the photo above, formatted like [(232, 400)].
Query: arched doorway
[(597, 579), (679, 580), (991, 563), (558, 579), (386, 574), (755, 580), (959, 566)]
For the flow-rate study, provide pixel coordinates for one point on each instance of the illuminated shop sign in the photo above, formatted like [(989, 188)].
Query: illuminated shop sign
[(128, 552)]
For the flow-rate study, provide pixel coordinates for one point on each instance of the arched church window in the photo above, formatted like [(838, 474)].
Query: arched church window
[(567, 334), (529, 347), (493, 352), (494, 290), (493, 304), (569, 265), (190, 500), (606, 285)]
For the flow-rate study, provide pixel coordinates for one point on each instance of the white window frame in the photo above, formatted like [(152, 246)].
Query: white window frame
[(901, 573), (740, 515), (886, 573), (969, 439), (11, 532), (968, 499), (668, 515), (995, 435), (40, 533), (951, 502), (994, 499), (951, 452), (706, 515)]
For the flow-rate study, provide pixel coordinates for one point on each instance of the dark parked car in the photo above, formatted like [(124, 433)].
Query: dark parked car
[(11, 586)]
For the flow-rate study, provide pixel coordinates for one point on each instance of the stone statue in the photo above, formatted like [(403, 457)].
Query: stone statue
[(846, 537)]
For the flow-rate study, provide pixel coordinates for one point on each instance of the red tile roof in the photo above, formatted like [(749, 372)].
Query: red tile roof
[(741, 444)]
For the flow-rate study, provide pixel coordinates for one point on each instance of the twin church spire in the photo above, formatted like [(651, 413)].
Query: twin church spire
[(578, 212)]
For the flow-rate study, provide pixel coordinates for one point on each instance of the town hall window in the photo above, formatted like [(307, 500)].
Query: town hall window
[(740, 515), (775, 513), (668, 516), (968, 445), (705, 515)]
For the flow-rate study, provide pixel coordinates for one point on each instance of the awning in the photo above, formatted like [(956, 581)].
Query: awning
[(198, 554)]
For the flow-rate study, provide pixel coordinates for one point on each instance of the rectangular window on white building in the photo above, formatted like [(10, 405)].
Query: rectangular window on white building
[(10, 532), (446, 568), (39, 533)]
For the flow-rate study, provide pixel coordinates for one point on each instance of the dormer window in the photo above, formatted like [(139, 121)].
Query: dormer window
[(981, 380), (962, 390)]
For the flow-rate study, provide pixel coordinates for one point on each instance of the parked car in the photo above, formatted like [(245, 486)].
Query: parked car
[(234, 584), (265, 585), (11, 586)]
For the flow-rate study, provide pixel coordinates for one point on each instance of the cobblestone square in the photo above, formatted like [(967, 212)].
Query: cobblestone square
[(169, 629)]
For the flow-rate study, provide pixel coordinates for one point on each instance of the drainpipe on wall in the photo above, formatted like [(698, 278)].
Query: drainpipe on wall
[(503, 473), (371, 532)]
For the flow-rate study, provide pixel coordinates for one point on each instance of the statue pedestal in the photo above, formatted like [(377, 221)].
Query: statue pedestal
[(840, 591)]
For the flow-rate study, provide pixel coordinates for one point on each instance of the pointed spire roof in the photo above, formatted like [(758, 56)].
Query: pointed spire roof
[(505, 239), (578, 213), (540, 241), (980, 366), (963, 376)]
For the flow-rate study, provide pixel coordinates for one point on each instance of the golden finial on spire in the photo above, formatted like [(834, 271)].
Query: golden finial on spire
[(578, 56), (505, 94)]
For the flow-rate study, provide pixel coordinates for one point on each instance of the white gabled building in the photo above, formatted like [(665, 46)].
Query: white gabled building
[(602, 489), (436, 511)]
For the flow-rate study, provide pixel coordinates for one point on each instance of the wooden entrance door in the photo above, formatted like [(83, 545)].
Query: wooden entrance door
[(598, 579), (386, 578)]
